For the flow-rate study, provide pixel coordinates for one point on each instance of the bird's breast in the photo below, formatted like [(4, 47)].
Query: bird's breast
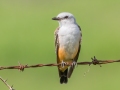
[(69, 38)]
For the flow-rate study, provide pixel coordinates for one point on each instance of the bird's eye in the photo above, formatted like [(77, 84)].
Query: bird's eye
[(66, 17)]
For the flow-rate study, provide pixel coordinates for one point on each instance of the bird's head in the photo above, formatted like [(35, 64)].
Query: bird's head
[(64, 18)]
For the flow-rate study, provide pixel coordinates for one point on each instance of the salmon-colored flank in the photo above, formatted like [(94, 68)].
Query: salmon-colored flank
[(62, 57)]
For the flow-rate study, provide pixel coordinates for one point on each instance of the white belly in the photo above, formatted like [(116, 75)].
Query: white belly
[(69, 39)]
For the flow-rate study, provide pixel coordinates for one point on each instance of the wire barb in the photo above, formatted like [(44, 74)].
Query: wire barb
[(21, 67), (95, 61), (5, 82)]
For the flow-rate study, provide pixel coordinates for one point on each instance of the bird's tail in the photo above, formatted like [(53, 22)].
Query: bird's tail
[(63, 76)]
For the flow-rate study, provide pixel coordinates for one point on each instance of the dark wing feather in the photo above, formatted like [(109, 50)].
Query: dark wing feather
[(57, 47), (76, 57)]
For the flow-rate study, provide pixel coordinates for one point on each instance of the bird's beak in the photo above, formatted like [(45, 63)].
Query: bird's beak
[(55, 18)]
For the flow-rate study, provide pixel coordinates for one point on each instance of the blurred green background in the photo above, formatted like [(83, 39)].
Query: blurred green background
[(26, 35)]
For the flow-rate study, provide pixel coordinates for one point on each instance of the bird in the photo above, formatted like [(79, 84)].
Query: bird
[(68, 37)]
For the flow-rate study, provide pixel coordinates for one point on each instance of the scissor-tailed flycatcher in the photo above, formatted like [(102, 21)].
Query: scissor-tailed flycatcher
[(68, 43)]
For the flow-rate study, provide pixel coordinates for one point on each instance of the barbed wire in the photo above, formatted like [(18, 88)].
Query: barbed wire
[(21, 67), (5, 82), (94, 62)]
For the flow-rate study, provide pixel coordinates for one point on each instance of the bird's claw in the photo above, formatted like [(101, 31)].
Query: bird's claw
[(74, 64), (63, 64)]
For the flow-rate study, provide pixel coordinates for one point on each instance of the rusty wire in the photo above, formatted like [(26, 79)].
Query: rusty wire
[(22, 67), (5, 82), (94, 62)]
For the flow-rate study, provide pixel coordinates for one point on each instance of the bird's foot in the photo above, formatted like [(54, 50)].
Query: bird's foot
[(63, 64), (74, 64)]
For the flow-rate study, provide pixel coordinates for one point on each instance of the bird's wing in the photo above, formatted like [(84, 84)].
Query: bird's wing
[(76, 57), (57, 47)]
